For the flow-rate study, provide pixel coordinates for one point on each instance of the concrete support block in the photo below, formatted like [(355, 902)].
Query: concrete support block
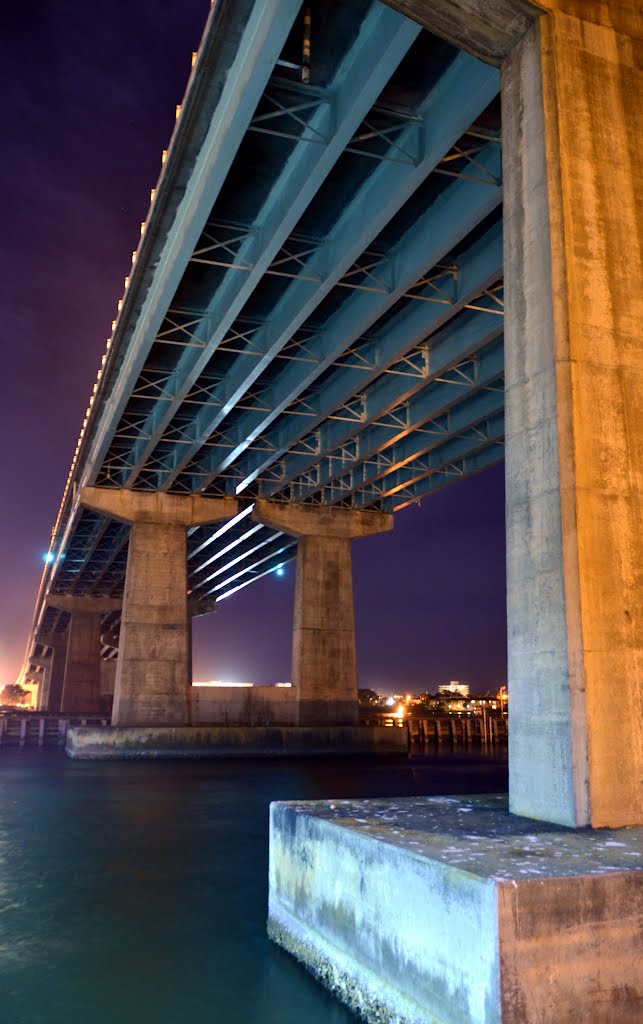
[(241, 705), (153, 670), (451, 909), (157, 506), (321, 520), (324, 659)]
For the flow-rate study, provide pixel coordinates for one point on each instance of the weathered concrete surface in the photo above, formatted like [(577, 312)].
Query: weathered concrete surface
[(107, 677), (321, 520), (80, 690), (107, 686), (153, 666), (452, 910), (157, 507), (324, 658), (489, 29), (87, 743), (572, 101), (154, 658), (55, 674), (236, 705), (96, 605), (81, 683), (41, 678)]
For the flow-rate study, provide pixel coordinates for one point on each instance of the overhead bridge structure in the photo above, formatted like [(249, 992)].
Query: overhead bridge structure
[(313, 334), (315, 311)]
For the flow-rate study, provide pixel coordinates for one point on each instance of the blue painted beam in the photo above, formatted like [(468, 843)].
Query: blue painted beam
[(465, 89), (449, 219), (383, 40), (454, 383), (221, 112), (434, 420), (478, 268), (468, 466), (398, 478)]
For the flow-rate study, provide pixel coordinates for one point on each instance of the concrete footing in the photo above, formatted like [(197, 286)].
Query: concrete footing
[(134, 742), (453, 911)]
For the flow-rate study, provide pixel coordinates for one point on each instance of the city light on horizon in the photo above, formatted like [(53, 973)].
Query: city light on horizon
[(220, 683)]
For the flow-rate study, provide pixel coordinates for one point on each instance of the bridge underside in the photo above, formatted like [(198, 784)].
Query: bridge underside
[(313, 324), (330, 323), (325, 324)]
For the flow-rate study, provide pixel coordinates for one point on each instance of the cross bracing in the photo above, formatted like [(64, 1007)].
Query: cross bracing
[(315, 309)]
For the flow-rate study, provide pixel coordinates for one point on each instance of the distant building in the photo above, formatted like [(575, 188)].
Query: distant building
[(455, 687)]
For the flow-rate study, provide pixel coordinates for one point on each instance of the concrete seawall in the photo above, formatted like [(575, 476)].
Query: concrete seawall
[(243, 705), (450, 909), (157, 742)]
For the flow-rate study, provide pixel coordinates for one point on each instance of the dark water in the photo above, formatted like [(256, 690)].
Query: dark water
[(134, 893)]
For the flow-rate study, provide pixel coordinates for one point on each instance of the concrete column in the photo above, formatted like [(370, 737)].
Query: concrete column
[(107, 683), (40, 677), (55, 671), (81, 684), (153, 667), (571, 114), (324, 660)]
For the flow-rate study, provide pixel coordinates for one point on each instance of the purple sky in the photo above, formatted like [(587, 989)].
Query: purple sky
[(89, 95)]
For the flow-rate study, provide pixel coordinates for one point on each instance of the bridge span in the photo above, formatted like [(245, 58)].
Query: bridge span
[(312, 335), (314, 315)]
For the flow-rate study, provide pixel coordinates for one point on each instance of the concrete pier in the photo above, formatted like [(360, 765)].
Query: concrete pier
[(81, 684), (452, 910), (574, 427), (41, 678), (51, 695), (324, 660), (154, 657)]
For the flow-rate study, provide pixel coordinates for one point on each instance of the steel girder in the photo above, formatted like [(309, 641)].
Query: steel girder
[(456, 212), (361, 388), (378, 478), (249, 36), (448, 111), (468, 465), (382, 43), (367, 377), (463, 394)]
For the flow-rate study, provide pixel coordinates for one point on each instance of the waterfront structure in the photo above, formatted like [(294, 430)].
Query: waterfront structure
[(323, 339), (287, 338), (320, 339), (507, 917)]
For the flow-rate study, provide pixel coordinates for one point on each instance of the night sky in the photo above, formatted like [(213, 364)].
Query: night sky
[(89, 96)]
